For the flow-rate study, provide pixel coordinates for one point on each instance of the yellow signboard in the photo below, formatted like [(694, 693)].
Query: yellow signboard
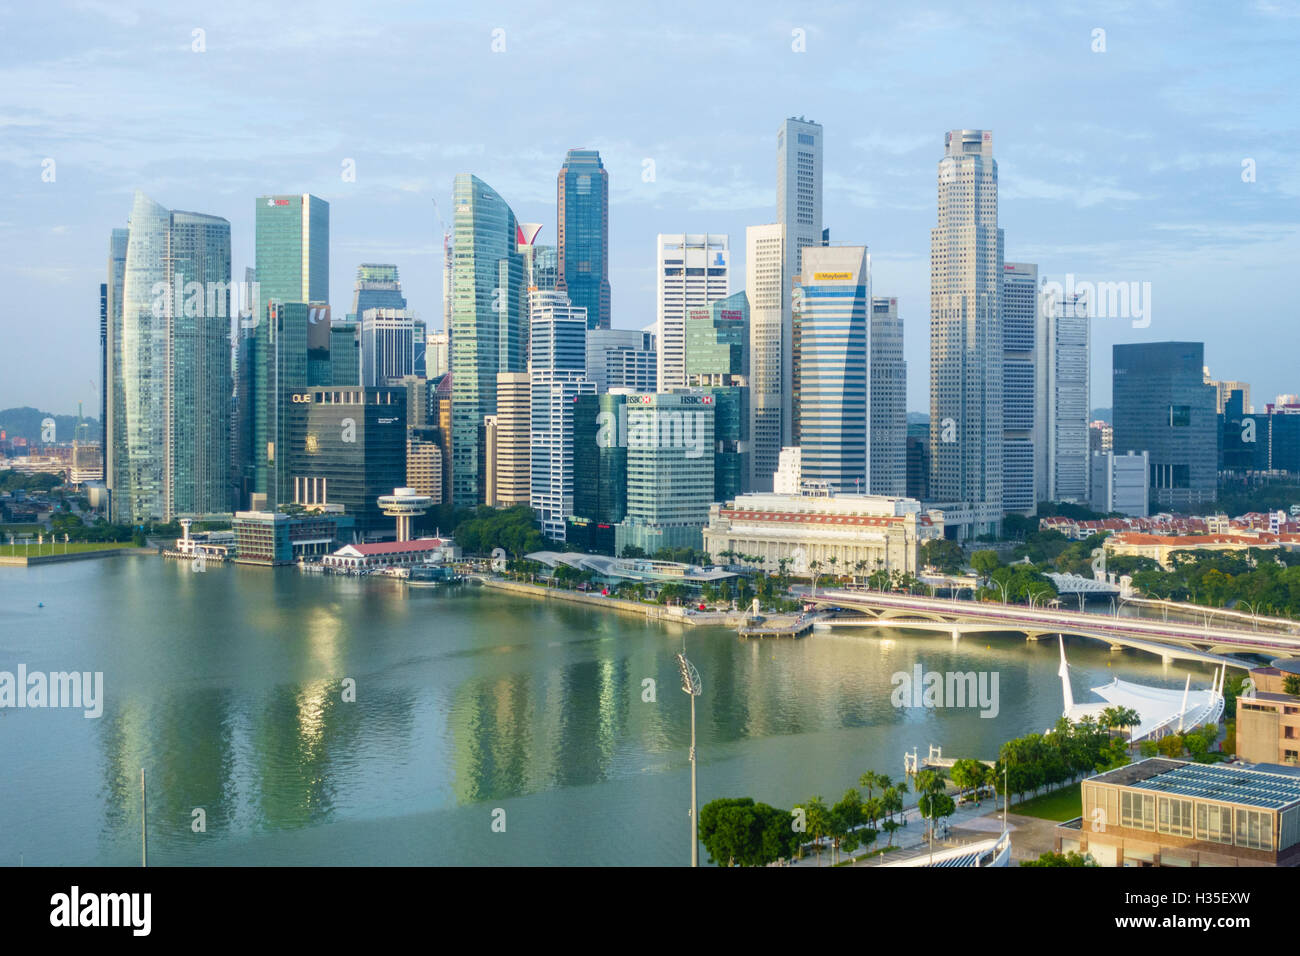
[(832, 276)]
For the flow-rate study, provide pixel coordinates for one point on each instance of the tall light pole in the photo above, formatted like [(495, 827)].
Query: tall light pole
[(691, 686)]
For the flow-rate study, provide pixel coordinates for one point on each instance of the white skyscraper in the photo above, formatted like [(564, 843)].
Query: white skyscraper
[(693, 270), (769, 350), (887, 437), (387, 346), (966, 348), (557, 365), (621, 358), (799, 210), (1062, 396), (1020, 479)]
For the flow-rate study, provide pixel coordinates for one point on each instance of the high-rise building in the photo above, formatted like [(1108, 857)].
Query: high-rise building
[(1162, 406), (788, 478), (966, 344), (1224, 389), (293, 248), (437, 355), (172, 427), (799, 210), (669, 471), (582, 210), (424, 462), (887, 437), (273, 369), (114, 420), (1021, 489), (621, 358), (488, 321), (377, 287), (692, 271), (345, 353), (717, 364), (349, 447), (1120, 483), (556, 368), (511, 446), (1061, 403), (769, 350), (388, 338), (918, 461), (834, 398), (600, 456)]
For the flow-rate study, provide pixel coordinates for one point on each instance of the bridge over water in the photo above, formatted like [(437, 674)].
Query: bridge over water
[(1170, 640)]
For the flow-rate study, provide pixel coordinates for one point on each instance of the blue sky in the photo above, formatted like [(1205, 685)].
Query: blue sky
[(1122, 165)]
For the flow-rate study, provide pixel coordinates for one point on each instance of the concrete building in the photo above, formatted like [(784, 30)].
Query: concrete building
[(273, 538), (509, 442), (669, 471), (770, 369), (622, 358), (388, 346), (862, 533), (692, 270), (1268, 720), (966, 342), (1121, 483), (887, 434), (1160, 812), (556, 368), (1020, 303), (424, 463), (377, 287), (788, 477), (1159, 547), (1061, 402), (1224, 389), (437, 355)]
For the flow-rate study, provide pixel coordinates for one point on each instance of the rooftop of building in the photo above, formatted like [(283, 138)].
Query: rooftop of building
[(1246, 786), (395, 547)]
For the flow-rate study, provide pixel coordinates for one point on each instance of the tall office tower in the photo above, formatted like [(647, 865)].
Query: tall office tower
[(621, 358), (834, 399), (1162, 406), (966, 336), (600, 456), (546, 267), (512, 446), (799, 209), (582, 210), (1225, 389), (103, 353), (1061, 402), (770, 367), (320, 367), (273, 369), (693, 270), (717, 364), (488, 322), (175, 366), (417, 399), (349, 447), (669, 472), (887, 437), (799, 188), (114, 412), (388, 338), (440, 412), (1023, 481), (556, 369), (918, 461), (345, 353), (377, 287), (436, 355), (293, 248), (1120, 483), (424, 462)]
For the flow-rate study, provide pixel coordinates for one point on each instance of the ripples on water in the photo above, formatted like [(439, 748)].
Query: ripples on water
[(227, 686)]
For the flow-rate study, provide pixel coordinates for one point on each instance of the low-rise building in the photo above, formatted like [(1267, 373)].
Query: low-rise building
[(392, 554), (884, 532), (1268, 720), (1159, 812), (1159, 547), (272, 538)]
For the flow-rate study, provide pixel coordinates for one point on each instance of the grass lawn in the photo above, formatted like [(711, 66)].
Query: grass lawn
[(74, 547), (7, 529), (1059, 805)]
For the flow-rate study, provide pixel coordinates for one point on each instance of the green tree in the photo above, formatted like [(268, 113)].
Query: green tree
[(1052, 858), (985, 562), (944, 555), (970, 775)]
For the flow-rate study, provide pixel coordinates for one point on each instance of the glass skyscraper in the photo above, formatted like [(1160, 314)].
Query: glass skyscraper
[(834, 412), (293, 248), (488, 322), (377, 287), (173, 422), (1021, 479), (717, 363), (582, 210), (114, 410)]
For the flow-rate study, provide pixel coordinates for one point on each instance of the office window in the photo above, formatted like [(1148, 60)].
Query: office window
[(1214, 822), (1175, 816), (1137, 810), (1255, 829)]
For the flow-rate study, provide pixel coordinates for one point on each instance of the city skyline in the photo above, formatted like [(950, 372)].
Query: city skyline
[(1151, 187)]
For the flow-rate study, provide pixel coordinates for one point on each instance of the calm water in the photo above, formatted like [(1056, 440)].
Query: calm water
[(226, 687)]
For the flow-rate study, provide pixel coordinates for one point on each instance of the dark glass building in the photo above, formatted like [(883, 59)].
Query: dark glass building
[(348, 448), (582, 208), (717, 363), (1162, 406), (918, 461), (600, 458)]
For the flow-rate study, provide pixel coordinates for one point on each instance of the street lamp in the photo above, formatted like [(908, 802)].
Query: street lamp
[(1003, 587), (691, 685), (1254, 613)]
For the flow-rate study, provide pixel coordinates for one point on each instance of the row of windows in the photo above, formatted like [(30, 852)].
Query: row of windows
[(1212, 821)]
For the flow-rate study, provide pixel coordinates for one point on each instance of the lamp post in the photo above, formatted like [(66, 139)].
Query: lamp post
[(691, 686), (1003, 588)]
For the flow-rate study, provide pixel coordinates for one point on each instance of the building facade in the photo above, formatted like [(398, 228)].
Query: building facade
[(1063, 369), (1019, 354), (966, 342), (691, 271), (293, 248), (767, 287), (717, 364), (887, 434), (1120, 483), (511, 441), (582, 211)]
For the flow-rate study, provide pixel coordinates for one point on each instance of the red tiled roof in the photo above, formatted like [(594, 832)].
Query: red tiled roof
[(398, 547)]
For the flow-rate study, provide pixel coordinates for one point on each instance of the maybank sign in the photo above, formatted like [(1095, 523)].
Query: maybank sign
[(832, 276)]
